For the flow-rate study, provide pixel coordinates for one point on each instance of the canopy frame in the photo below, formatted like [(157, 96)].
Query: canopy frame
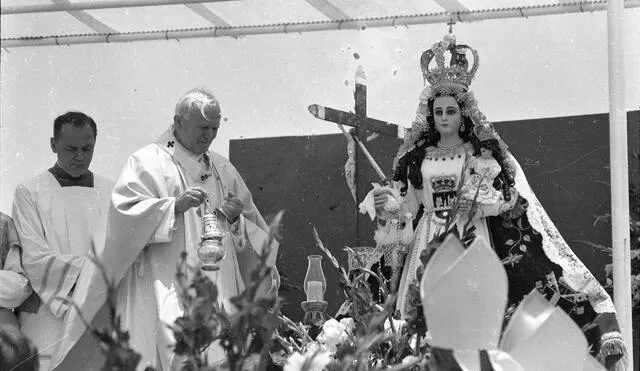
[(300, 27)]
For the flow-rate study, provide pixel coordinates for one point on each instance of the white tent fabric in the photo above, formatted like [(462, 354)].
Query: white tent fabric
[(63, 22)]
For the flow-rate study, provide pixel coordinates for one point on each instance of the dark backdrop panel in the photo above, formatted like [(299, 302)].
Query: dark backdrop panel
[(305, 177), (566, 161)]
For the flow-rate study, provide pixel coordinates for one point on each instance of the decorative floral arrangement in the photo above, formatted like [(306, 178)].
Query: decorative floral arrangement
[(365, 335)]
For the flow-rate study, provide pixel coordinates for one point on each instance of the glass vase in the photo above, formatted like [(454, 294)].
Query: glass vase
[(315, 284)]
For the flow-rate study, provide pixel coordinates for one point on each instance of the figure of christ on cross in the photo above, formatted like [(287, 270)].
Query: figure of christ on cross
[(358, 174)]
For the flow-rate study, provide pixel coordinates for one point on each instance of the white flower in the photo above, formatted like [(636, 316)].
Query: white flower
[(295, 362), (409, 359), (377, 363), (333, 333), (393, 204), (398, 325), (413, 341), (349, 324), (314, 347), (318, 363)]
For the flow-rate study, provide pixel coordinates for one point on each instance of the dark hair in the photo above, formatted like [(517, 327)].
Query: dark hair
[(17, 352), (77, 119), (409, 165), (503, 181)]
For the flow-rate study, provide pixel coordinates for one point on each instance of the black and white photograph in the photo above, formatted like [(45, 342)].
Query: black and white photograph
[(320, 185)]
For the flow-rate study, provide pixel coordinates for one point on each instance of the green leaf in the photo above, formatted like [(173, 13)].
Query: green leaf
[(519, 222), (344, 308)]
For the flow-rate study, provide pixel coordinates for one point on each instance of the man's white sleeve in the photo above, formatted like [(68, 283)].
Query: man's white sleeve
[(14, 285)]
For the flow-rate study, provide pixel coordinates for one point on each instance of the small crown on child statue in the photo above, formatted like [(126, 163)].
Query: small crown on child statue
[(458, 74), (484, 132)]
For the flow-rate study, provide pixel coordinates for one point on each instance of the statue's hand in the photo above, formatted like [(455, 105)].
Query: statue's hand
[(380, 197)]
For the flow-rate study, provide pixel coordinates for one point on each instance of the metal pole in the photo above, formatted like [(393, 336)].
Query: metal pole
[(619, 174), (93, 5), (298, 27)]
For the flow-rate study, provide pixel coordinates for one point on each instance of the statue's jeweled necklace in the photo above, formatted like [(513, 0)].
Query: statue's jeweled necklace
[(448, 147)]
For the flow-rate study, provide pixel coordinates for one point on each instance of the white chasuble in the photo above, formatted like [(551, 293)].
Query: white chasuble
[(56, 225), (144, 240)]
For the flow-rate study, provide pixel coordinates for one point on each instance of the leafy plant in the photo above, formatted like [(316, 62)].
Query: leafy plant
[(367, 338), (245, 332), (113, 340)]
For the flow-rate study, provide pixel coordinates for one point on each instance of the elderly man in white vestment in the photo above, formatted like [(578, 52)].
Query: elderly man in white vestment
[(155, 215), (56, 214)]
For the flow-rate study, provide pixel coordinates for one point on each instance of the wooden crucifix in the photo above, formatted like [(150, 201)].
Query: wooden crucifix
[(361, 160)]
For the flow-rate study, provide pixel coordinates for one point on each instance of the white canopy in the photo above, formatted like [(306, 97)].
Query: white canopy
[(64, 22)]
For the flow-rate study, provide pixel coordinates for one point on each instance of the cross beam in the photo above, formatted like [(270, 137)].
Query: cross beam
[(355, 121)]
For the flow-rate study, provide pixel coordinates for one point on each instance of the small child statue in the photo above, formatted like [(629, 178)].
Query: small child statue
[(484, 169)]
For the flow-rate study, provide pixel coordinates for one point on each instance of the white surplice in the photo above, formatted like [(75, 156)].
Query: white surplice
[(55, 225), (144, 239)]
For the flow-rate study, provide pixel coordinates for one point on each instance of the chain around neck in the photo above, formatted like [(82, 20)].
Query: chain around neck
[(450, 146)]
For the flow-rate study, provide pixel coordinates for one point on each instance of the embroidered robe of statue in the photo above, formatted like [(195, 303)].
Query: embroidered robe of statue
[(519, 228), (144, 239), (442, 170), (55, 224)]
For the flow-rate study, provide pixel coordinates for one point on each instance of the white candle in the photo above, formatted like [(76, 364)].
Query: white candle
[(314, 291)]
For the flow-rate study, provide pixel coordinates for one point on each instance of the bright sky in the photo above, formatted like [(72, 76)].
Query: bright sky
[(529, 68)]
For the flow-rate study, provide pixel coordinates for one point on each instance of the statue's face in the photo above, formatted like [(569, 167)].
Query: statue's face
[(447, 116), (486, 152)]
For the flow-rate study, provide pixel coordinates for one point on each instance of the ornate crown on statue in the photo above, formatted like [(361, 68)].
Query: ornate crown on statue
[(448, 69), (453, 76)]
